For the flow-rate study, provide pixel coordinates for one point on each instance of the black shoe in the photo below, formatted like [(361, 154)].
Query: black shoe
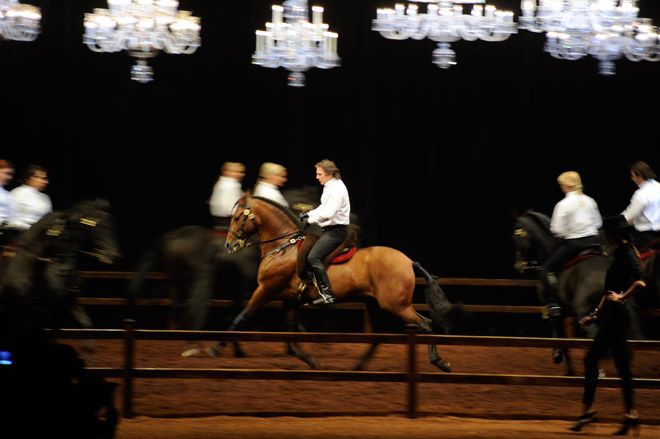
[(583, 420), (629, 423)]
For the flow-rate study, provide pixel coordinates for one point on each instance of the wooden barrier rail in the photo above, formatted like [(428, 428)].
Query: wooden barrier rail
[(443, 281), (129, 372)]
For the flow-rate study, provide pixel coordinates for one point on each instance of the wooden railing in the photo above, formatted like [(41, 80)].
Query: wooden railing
[(442, 281), (129, 372)]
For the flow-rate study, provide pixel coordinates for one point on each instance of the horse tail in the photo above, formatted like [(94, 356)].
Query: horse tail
[(145, 266), (443, 313)]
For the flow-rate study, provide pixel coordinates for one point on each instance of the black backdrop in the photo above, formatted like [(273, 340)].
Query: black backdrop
[(435, 160)]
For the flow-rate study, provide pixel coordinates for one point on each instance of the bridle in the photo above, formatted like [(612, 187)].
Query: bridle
[(246, 216)]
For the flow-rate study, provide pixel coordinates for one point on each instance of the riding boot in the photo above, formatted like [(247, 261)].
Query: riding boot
[(551, 297), (323, 285)]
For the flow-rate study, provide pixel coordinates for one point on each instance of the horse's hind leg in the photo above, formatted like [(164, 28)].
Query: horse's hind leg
[(425, 326), (294, 325)]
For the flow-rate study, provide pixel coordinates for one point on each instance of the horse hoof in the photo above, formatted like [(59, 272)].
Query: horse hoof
[(444, 366), (240, 354), (557, 356), (192, 352)]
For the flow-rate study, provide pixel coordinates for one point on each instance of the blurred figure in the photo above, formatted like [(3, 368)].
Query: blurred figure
[(226, 192), (30, 202), (333, 216), (6, 202), (623, 279), (271, 178), (643, 212), (575, 222)]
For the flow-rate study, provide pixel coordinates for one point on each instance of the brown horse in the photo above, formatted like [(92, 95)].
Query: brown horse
[(383, 273)]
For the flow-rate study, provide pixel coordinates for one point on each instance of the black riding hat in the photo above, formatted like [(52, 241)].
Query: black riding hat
[(616, 223)]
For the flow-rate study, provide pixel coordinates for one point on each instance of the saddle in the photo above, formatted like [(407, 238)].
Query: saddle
[(342, 253), (589, 252)]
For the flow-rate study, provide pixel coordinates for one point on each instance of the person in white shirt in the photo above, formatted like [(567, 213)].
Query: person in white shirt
[(226, 193), (333, 216), (6, 203), (643, 212), (30, 202), (575, 221), (271, 178)]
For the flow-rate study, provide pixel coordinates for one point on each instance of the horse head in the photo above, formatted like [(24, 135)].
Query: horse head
[(532, 240), (93, 231), (257, 215)]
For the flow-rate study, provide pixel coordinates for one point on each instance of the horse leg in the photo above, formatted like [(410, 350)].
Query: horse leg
[(294, 325), (253, 304), (425, 326), (373, 310)]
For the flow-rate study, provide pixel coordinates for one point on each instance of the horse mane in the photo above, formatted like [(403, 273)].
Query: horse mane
[(288, 212), (538, 225)]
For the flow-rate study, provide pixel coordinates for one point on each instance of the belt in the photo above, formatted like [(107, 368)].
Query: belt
[(335, 226)]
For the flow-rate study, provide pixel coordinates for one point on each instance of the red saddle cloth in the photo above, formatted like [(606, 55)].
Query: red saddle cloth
[(647, 254), (342, 257), (580, 257)]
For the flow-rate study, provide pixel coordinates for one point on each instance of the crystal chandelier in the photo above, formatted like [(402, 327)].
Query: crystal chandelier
[(292, 42), (604, 29), (143, 28), (18, 21), (445, 22)]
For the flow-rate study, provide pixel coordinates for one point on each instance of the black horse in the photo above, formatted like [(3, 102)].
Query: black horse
[(581, 283), (198, 269), (42, 276)]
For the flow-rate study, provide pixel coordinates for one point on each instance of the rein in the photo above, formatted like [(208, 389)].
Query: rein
[(248, 215)]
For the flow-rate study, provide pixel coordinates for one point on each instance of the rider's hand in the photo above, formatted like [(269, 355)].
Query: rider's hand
[(304, 218)]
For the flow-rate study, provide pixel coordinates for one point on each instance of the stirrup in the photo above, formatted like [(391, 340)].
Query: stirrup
[(324, 299)]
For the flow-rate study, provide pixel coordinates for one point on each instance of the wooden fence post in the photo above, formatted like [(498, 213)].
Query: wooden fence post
[(411, 330), (129, 345)]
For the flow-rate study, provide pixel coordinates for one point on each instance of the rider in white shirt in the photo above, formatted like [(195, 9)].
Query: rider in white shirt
[(226, 192), (271, 178), (575, 221), (30, 203), (333, 216), (643, 212)]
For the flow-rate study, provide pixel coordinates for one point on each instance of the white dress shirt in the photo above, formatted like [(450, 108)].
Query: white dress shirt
[(29, 206), (335, 205), (644, 209), (226, 193), (270, 191), (576, 216)]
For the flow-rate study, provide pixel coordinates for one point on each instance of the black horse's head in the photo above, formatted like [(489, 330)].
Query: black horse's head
[(85, 228), (90, 229), (532, 240)]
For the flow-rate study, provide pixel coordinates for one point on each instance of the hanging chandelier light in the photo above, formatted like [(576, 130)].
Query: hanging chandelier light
[(444, 22), (143, 28), (604, 29), (18, 21), (292, 42)]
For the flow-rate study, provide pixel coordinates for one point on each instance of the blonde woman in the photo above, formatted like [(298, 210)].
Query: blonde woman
[(575, 222), (271, 178)]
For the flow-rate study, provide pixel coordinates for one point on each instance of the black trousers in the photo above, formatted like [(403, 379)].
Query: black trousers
[(331, 237), (612, 333), (642, 239), (567, 249)]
